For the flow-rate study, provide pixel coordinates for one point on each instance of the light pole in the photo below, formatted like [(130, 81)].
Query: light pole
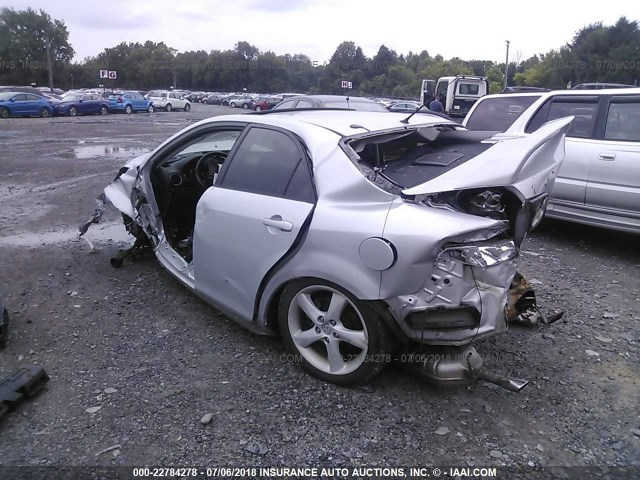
[(506, 67)]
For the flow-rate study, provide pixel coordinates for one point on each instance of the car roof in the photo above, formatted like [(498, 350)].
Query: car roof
[(600, 86), (342, 122), (553, 93)]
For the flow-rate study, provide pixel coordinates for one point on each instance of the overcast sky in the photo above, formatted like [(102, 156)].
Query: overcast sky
[(463, 28)]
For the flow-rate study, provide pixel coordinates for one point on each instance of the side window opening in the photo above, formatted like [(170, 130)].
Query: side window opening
[(583, 110), (269, 162), (623, 121)]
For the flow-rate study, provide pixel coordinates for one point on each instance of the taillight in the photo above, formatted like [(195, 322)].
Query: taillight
[(119, 99)]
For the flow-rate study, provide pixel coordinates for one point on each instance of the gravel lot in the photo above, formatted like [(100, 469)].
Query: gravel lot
[(151, 360)]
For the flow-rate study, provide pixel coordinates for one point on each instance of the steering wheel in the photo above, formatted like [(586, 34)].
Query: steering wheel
[(208, 166)]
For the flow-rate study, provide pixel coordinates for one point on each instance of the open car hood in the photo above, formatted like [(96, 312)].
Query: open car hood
[(528, 162)]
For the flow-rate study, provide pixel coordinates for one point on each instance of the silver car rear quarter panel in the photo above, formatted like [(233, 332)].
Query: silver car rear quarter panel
[(420, 281)]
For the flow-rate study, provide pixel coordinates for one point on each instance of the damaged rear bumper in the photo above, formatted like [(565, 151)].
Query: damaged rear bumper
[(464, 299)]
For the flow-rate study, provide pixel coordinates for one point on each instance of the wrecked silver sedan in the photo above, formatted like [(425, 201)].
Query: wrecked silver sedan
[(347, 233)]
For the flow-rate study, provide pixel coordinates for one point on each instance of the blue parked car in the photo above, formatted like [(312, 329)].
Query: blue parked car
[(17, 104), (129, 102), (73, 105)]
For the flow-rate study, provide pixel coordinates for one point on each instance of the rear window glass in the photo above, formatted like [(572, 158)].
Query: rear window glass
[(468, 89), (498, 114)]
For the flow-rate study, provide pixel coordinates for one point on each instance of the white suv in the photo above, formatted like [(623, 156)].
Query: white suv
[(168, 100), (599, 180)]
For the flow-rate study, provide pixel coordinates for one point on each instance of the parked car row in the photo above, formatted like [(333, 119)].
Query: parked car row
[(26, 103)]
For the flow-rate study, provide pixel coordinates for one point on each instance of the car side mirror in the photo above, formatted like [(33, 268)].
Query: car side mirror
[(12, 99)]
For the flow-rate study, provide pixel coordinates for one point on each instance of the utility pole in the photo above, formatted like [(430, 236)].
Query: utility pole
[(49, 64), (506, 68)]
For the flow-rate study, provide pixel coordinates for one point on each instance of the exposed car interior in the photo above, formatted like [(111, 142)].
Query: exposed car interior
[(390, 160), (180, 180)]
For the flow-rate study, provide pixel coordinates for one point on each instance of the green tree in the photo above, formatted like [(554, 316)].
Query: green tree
[(24, 38)]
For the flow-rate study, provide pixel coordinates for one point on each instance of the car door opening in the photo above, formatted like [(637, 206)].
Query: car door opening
[(180, 179)]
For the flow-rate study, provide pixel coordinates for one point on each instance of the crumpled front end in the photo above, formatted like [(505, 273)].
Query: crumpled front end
[(124, 194)]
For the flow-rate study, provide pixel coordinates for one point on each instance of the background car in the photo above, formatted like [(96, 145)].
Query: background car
[(21, 89), (16, 104), (598, 182), (73, 105), (265, 102), (407, 107), (213, 99), (523, 89), (129, 102), (168, 100), (195, 97), (240, 101), (330, 101)]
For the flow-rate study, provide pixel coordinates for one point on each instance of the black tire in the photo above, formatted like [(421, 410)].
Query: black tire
[(104, 110), (72, 111), (356, 321), (44, 112), (4, 113), (232, 104), (258, 108), (187, 107), (128, 110), (245, 105), (151, 109), (168, 108)]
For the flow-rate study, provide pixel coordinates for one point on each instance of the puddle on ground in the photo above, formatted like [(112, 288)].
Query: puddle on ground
[(110, 151), (100, 233)]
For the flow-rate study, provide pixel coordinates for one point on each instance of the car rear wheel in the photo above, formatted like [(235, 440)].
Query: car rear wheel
[(187, 107), (44, 112), (4, 112), (335, 336), (232, 104), (72, 111), (104, 110), (245, 105), (168, 108), (128, 109)]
